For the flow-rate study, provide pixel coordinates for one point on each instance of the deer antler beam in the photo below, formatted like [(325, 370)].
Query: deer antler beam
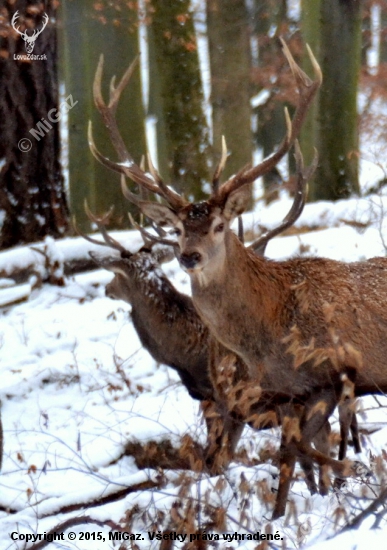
[(307, 89), (303, 176), (126, 166)]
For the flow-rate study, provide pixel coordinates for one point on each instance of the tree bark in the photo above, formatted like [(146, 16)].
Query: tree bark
[(32, 196), (337, 173), (230, 59), (271, 121), (310, 30), (86, 34), (186, 133)]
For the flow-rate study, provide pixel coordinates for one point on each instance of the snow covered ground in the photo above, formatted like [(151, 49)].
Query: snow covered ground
[(76, 387)]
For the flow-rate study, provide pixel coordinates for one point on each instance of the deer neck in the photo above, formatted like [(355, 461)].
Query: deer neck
[(240, 301)]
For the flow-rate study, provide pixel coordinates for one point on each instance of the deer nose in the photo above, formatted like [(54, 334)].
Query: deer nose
[(190, 260)]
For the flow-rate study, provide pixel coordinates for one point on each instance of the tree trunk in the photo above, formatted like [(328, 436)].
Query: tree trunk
[(156, 107), (181, 95), (229, 44), (310, 30), (32, 197), (337, 173), (271, 121), (383, 33), (86, 35)]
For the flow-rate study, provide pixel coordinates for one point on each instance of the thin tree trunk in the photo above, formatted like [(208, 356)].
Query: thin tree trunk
[(156, 107), (383, 32), (271, 120), (230, 58), (86, 35), (186, 135), (32, 197), (310, 29), (337, 173)]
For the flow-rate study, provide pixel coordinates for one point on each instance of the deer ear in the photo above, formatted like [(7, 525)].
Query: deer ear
[(237, 202), (159, 213)]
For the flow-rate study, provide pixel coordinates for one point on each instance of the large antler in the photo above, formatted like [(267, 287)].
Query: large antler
[(101, 223), (152, 182), (307, 89), (126, 166), (303, 176)]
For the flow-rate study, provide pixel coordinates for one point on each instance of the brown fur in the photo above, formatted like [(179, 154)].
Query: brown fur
[(170, 329), (298, 325)]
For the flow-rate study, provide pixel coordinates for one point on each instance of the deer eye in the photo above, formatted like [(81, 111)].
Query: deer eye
[(219, 228), (176, 231)]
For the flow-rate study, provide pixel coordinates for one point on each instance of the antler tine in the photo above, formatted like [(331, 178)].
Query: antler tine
[(100, 222), (135, 199), (159, 230), (173, 198), (220, 167), (303, 175), (126, 166), (93, 218), (115, 91), (307, 89), (84, 236), (151, 238)]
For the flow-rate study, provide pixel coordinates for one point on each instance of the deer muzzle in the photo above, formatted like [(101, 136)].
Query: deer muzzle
[(190, 261)]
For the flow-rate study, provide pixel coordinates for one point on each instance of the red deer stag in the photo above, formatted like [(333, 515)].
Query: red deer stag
[(172, 332), (275, 316)]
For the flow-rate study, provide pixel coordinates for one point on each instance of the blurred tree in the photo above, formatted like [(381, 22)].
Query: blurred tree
[(383, 32), (32, 197), (155, 113), (337, 138), (230, 59), (88, 30), (175, 57), (310, 30), (270, 21), (366, 35)]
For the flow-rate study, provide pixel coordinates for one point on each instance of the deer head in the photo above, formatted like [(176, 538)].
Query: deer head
[(202, 229), (29, 40)]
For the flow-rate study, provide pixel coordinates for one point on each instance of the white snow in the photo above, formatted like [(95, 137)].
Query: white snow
[(76, 386)]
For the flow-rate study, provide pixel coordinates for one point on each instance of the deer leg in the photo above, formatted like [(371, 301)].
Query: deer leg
[(345, 419), (307, 466), (286, 469), (355, 434), (287, 458), (317, 411), (224, 432), (322, 444), (348, 421)]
